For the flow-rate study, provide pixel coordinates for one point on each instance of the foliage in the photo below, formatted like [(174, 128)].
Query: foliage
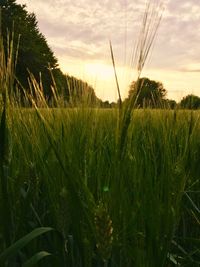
[(168, 104), (147, 93), (81, 92), (18, 245), (190, 102), (36, 57), (34, 54)]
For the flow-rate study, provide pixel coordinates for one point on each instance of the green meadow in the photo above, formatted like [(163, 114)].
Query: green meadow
[(110, 198)]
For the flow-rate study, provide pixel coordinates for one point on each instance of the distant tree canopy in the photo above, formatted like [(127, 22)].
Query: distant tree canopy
[(190, 102), (147, 93), (169, 103), (83, 92)]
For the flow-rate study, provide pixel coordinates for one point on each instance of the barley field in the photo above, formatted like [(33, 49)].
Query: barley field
[(101, 196)]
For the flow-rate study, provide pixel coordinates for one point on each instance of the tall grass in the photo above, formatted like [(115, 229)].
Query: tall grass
[(6, 85), (66, 177), (121, 187)]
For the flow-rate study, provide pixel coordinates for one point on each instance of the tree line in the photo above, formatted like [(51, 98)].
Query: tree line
[(36, 57)]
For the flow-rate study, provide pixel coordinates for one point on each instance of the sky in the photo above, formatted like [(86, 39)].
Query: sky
[(78, 32)]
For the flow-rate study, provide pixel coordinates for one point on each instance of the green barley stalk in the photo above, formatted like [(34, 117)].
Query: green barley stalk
[(115, 72), (7, 66), (150, 24), (4, 162)]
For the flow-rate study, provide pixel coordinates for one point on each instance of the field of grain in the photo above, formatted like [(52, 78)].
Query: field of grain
[(112, 198)]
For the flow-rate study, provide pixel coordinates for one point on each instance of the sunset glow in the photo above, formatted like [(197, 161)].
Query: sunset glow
[(79, 33)]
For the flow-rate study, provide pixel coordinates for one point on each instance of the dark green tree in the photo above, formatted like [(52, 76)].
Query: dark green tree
[(34, 54), (36, 57), (169, 103), (190, 102), (147, 93)]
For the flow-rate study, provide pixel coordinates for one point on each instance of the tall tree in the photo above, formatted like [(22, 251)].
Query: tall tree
[(147, 92), (34, 54)]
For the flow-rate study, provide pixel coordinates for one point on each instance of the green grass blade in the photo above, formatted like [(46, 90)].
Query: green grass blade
[(116, 78), (13, 249), (5, 158), (36, 258)]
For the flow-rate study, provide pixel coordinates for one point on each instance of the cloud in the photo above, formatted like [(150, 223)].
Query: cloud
[(178, 41), (195, 68), (81, 29), (93, 23), (188, 70), (89, 22)]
